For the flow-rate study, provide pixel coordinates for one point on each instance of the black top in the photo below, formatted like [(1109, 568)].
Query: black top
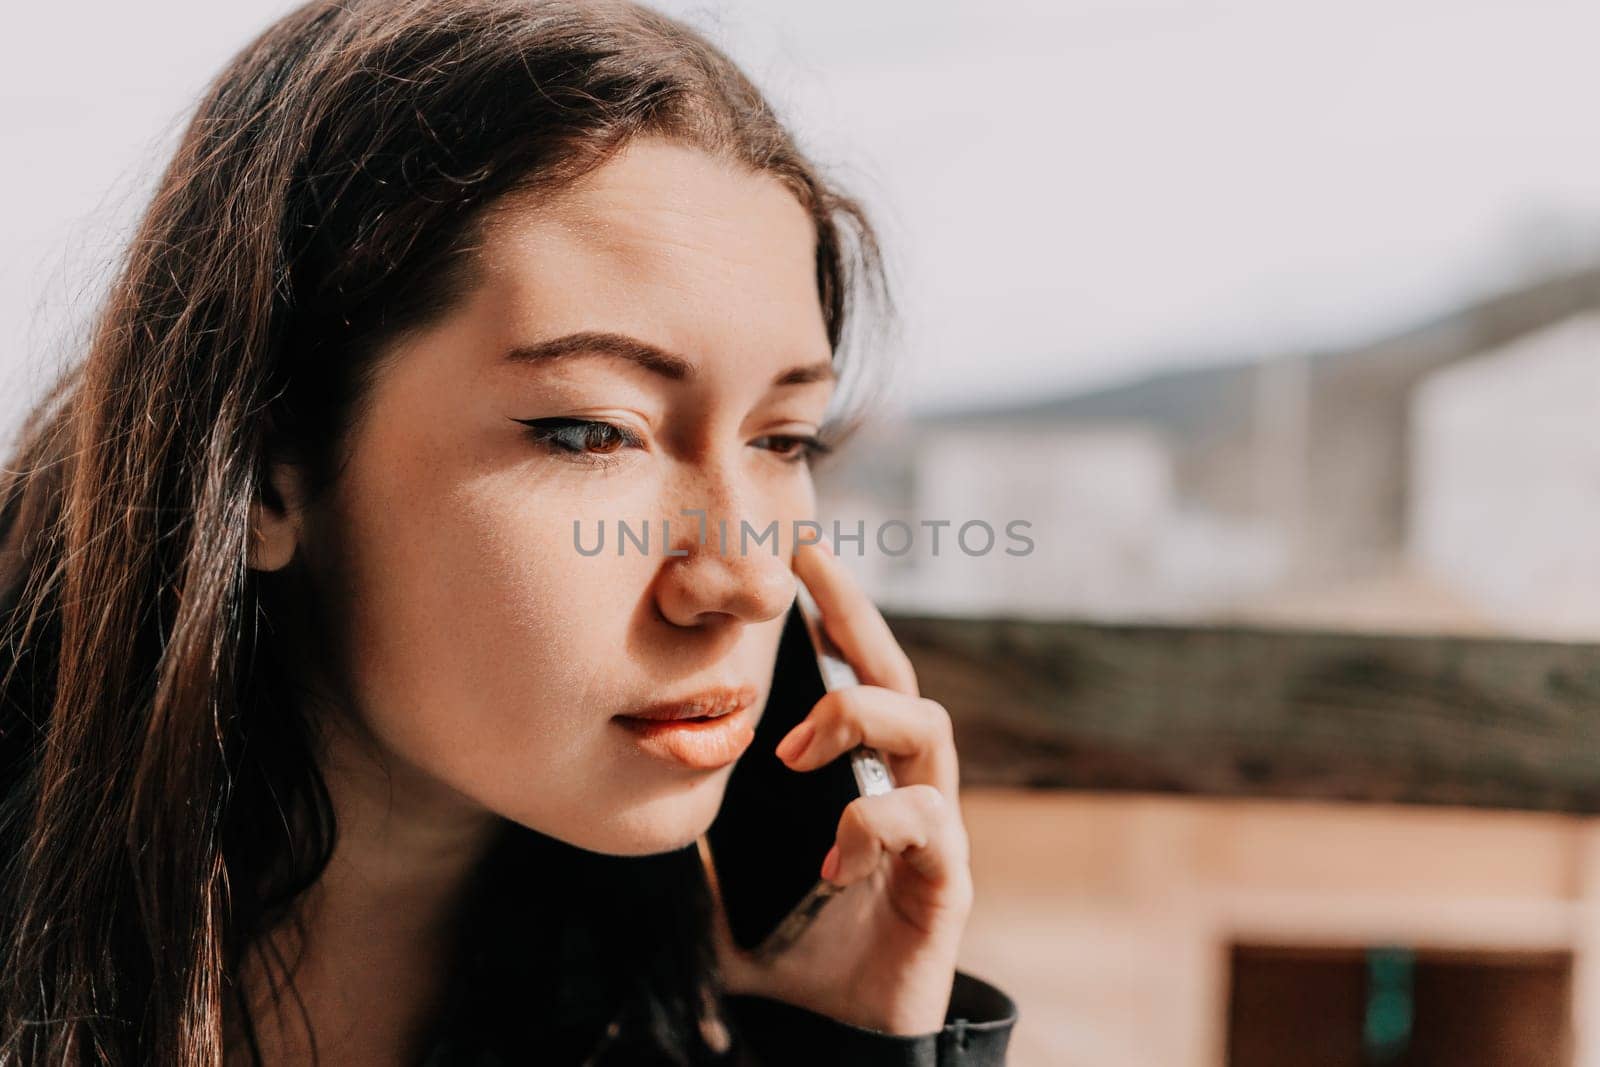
[(977, 1028), (579, 958), (772, 1033)]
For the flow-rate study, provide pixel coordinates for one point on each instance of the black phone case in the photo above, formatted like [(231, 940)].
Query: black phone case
[(775, 824)]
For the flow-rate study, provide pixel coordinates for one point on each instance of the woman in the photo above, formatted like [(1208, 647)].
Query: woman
[(320, 742)]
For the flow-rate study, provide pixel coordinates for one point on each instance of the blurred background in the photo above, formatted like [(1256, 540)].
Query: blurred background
[(1279, 324)]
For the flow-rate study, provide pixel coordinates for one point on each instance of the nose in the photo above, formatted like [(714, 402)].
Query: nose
[(720, 571)]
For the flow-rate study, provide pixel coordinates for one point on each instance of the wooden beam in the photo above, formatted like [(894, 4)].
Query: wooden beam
[(1266, 713)]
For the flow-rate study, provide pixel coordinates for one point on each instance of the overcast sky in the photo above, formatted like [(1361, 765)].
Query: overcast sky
[(1072, 192)]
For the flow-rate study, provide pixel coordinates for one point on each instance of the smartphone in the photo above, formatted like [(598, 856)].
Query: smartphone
[(775, 824)]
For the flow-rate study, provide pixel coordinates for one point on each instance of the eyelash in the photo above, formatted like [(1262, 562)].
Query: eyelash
[(569, 438)]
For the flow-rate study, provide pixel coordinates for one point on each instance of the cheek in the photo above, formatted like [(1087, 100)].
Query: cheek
[(477, 633)]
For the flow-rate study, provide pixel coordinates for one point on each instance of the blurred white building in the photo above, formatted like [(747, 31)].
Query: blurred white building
[(1444, 479), (1095, 503), (1505, 502)]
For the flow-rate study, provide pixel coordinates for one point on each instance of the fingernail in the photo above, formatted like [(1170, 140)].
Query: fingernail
[(796, 742), (830, 863)]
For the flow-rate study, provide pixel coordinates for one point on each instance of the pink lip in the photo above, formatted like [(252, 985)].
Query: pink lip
[(710, 702), (704, 730)]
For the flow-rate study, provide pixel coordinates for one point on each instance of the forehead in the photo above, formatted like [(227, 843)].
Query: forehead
[(663, 240)]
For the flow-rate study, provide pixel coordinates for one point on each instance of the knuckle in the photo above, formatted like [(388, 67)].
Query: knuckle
[(847, 702), (938, 717), (837, 709), (856, 818), (925, 800)]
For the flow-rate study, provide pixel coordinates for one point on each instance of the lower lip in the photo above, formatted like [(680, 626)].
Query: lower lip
[(703, 744)]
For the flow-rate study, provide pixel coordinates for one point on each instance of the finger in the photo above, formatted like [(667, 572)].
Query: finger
[(914, 731), (854, 622), (914, 822)]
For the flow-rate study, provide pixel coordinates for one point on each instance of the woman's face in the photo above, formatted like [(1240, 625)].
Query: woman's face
[(487, 654)]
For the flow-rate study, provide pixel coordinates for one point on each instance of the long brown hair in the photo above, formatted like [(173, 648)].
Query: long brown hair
[(162, 806)]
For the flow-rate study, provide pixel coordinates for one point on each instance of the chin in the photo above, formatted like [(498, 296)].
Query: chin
[(662, 823)]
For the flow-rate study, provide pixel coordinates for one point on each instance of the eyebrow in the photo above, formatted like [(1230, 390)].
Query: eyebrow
[(651, 357)]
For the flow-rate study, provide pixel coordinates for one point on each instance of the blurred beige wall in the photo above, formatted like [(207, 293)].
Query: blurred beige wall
[(1110, 919)]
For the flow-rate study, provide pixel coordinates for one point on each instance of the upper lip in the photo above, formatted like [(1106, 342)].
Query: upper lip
[(714, 701)]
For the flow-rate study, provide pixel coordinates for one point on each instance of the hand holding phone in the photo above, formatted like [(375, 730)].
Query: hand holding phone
[(772, 895), (873, 940)]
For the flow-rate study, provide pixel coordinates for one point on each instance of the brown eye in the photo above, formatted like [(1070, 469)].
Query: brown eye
[(602, 437), (793, 448), (580, 438)]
